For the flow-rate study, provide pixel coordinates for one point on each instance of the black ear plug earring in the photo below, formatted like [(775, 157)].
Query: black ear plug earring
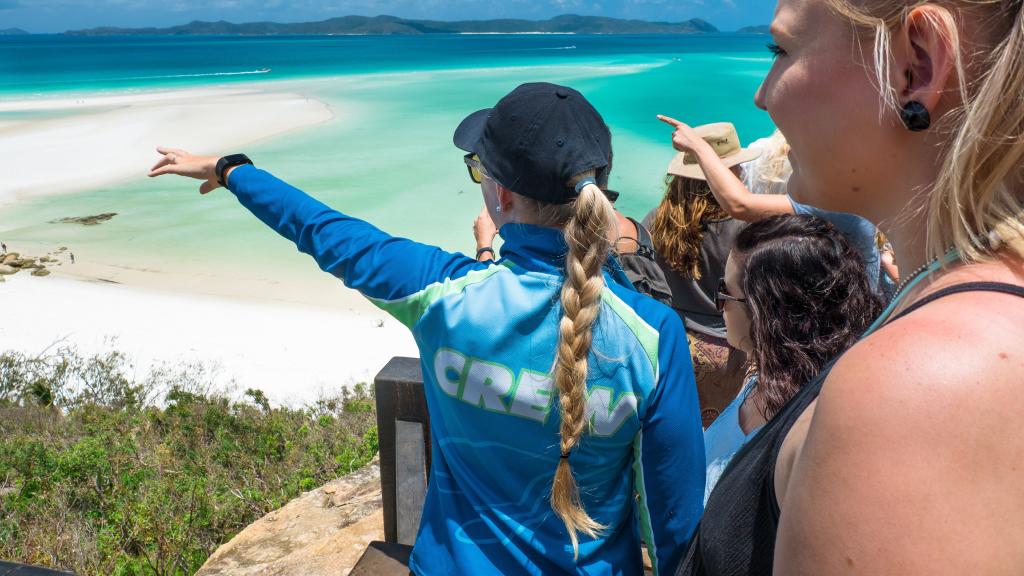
[(915, 116)]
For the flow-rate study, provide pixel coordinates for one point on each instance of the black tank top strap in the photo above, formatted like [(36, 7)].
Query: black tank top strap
[(643, 239), (1001, 287)]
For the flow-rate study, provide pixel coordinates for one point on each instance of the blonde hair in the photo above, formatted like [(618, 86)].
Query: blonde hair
[(773, 166), (587, 222), (973, 204), (677, 229)]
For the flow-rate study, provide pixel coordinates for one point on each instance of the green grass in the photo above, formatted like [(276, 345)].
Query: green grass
[(103, 474)]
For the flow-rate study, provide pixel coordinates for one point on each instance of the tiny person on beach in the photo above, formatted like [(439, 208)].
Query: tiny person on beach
[(563, 409)]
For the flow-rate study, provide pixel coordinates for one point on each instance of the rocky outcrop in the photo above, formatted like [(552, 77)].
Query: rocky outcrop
[(13, 262), (86, 220), (323, 532)]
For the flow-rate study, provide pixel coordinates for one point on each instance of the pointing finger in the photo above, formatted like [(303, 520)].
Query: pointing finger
[(670, 121), (208, 186), (166, 150)]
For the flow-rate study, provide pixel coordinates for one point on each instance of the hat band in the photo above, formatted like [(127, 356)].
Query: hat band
[(732, 150), (583, 184)]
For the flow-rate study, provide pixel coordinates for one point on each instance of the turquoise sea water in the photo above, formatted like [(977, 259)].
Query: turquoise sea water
[(387, 156)]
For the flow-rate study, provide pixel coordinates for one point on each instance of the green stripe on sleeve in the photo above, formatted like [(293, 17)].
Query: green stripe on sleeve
[(410, 309), (645, 514), (644, 332)]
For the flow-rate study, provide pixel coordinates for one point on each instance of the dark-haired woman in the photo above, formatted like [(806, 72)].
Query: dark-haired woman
[(794, 296)]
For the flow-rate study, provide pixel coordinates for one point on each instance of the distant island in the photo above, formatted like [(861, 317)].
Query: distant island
[(391, 25), (762, 29), (12, 32)]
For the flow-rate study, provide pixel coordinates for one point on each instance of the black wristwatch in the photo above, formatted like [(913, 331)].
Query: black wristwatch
[(227, 162)]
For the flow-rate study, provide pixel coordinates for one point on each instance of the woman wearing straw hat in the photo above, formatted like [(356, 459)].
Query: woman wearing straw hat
[(563, 411), (700, 155), (692, 236)]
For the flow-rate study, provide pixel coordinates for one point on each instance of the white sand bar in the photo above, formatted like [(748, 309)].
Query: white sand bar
[(100, 140), (291, 352)]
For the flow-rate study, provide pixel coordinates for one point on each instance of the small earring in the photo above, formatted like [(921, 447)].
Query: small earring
[(915, 116), (497, 208)]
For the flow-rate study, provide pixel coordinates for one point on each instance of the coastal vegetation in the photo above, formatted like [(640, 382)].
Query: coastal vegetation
[(105, 473)]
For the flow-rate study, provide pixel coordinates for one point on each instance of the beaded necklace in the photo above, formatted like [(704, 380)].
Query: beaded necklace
[(915, 277)]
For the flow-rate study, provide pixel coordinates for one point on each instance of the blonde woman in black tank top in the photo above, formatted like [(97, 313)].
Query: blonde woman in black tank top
[(905, 457)]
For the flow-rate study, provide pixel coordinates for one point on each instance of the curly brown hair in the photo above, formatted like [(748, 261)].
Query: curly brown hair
[(809, 299), (679, 222)]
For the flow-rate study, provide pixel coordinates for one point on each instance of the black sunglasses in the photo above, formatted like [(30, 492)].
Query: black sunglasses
[(722, 295)]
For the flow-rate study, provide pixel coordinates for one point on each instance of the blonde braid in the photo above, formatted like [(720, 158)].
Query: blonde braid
[(587, 236)]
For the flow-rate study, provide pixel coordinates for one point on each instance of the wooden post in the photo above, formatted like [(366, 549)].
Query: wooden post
[(403, 433)]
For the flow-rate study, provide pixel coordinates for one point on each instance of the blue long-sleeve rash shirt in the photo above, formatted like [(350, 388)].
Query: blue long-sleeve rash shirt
[(487, 333)]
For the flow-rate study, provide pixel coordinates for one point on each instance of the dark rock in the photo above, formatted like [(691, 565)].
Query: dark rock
[(85, 220)]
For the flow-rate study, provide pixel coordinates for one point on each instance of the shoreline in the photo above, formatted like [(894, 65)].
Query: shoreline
[(294, 352), (294, 336)]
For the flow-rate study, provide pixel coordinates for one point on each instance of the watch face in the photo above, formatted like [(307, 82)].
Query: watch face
[(228, 161)]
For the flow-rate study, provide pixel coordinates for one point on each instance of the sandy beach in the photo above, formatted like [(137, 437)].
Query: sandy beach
[(295, 341), (291, 352), (96, 141)]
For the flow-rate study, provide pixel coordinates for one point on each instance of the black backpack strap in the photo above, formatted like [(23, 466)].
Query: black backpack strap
[(1001, 287), (643, 239)]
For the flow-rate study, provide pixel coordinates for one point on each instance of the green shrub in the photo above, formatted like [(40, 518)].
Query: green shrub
[(102, 474)]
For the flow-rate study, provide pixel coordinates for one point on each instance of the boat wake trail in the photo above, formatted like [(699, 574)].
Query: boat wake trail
[(202, 75)]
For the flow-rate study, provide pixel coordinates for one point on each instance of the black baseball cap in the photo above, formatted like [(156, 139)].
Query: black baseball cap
[(536, 139)]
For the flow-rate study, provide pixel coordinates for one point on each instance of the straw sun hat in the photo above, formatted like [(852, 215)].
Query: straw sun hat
[(724, 140)]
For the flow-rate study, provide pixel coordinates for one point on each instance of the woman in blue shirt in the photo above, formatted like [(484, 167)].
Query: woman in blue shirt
[(564, 414)]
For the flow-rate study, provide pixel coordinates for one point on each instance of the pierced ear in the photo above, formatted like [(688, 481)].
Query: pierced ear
[(506, 199), (929, 37)]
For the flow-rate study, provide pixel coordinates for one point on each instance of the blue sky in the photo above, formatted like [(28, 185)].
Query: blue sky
[(43, 16)]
